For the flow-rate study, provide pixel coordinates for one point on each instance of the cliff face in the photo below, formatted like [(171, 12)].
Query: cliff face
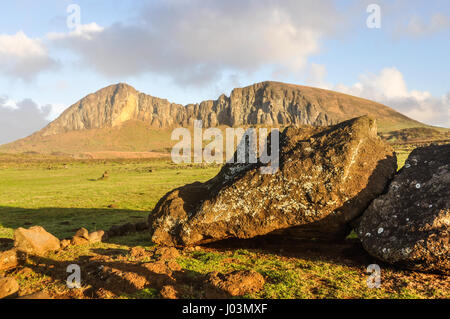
[(267, 103)]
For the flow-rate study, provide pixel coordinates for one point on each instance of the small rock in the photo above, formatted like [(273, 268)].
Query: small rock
[(158, 268), (8, 287), (138, 252), (79, 241), (104, 176), (97, 236), (8, 259), (236, 283), (173, 265), (167, 253), (65, 243), (35, 240), (83, 233), (169, 292)]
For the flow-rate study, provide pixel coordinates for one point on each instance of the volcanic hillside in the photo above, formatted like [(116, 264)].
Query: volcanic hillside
[(119, 118)]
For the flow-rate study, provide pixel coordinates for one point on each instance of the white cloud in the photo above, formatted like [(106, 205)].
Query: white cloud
[(20, 119), (84, 31), (194, 42), (389, 87), (23, 57), (316, 76), (418, 27)]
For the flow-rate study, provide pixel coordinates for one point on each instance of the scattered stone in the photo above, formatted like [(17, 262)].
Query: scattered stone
[(79, 241), (83, 233), (97, 236), (104, 176), (65, 243), (173, 265), (36, 295), (166, 253), (138, 252), (8, 287), (327, 178), (236, 283), (8, 259), (35, 240), (410, 225), (158, 268), (169, 292)]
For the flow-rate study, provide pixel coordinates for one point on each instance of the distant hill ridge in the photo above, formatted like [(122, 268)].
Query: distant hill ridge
[(120, 118), (265, 103)]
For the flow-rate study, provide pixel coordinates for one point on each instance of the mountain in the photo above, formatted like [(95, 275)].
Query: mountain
[(119, 118)]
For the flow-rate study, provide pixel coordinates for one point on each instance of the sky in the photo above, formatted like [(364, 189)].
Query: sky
[(54, 52)]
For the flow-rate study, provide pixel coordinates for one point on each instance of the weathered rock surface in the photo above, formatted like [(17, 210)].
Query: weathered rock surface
[(8, 287), (8, 259), (409, 226), (327, 177), (236, 283), (35, 240)]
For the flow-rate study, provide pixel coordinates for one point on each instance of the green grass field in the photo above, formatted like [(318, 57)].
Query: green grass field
[(63, 195)]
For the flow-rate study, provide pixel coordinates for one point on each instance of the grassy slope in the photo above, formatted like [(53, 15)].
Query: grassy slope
[(135, 136), (132, 136), (64, 196)]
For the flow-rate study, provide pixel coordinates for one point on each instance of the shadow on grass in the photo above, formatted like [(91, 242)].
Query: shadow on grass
[(63, 222), (344, 252), (120, 278)]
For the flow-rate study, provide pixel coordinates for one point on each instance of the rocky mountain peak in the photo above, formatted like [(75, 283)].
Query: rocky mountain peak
[(264, 103)]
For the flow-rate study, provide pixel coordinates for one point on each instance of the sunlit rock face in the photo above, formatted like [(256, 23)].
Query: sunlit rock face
[(265, 103)]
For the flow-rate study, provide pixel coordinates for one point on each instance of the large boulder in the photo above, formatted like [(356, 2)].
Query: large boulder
[(409, 226), (327, 177), (35, 240)]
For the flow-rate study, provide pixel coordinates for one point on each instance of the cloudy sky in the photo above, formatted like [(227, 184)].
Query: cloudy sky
[(191, 50)]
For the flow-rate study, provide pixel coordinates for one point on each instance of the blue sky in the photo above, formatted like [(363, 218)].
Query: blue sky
[(191, 50)]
